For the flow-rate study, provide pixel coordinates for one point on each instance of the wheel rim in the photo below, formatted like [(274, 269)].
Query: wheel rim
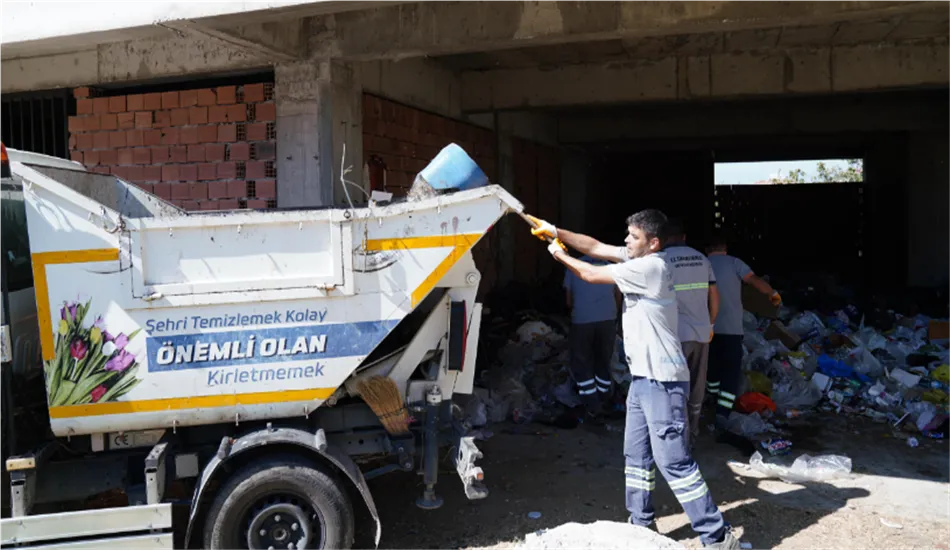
[(282, 521)]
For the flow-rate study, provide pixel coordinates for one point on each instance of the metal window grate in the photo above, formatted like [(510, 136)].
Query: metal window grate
[(38, 121)]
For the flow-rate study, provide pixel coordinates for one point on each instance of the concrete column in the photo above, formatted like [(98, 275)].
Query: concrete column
[(928, 192), (347, 127), (304, 134)]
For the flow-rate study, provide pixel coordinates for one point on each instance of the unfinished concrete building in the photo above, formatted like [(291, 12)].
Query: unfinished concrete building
[(587, 111)]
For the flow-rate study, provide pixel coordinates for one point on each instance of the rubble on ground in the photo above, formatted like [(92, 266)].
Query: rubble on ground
[(600, 534)]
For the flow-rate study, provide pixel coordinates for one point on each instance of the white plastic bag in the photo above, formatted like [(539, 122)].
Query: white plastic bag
[(805, 468)]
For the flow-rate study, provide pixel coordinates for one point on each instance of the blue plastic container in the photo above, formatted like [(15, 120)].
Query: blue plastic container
[(453, 170)]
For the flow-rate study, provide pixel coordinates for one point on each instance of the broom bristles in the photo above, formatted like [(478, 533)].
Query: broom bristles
[(383, 397)]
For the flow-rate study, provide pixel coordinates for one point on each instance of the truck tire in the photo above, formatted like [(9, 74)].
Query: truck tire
[(280, 502)]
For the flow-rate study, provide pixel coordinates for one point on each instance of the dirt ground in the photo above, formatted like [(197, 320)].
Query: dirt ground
[(897, 496)]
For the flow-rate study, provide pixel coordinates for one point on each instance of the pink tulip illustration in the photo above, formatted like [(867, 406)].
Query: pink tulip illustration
[(120, 362), (97, 393), (78, 349)]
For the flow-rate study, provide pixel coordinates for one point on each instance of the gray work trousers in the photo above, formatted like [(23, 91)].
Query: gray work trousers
[(655, 436), (697, 358)]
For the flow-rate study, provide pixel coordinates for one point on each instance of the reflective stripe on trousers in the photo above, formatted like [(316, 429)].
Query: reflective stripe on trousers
[(655, 438)]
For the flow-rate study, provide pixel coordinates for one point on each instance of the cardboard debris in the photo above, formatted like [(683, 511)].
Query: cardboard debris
[(778, 331), (755, 302), (939, 330)]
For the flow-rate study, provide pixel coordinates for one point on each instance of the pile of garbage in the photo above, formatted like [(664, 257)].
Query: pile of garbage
[(801, 362), (525, 376)]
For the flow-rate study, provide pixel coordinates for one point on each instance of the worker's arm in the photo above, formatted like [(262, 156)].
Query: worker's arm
[(713, 303), (590, 246), (765, 288), (582, 243), (593, 274)]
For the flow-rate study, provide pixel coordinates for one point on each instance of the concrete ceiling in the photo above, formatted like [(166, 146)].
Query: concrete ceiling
[(893, 29)]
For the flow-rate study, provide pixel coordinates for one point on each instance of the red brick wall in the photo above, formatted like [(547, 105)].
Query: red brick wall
[(406, 139), (207, 149)]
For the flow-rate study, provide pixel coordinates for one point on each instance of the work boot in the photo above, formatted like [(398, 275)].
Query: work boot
[(728, 542), (651, 526)]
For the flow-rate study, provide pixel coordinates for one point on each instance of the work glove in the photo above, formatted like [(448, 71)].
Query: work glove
[(776, 299), (556, 246), (542, 229)]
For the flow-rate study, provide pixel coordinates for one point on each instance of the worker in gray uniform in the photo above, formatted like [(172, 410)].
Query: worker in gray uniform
[(655, 432), (725, 351), (697, 303)]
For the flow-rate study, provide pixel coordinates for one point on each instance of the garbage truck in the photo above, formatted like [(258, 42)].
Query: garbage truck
[(232, 379)]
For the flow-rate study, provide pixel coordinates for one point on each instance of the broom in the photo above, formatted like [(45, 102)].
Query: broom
[(382, 395)]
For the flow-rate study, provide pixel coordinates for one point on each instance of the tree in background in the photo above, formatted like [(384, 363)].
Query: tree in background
[(853, 173)]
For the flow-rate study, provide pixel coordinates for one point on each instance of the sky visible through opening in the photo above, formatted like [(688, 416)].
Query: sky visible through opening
[(749, 173)]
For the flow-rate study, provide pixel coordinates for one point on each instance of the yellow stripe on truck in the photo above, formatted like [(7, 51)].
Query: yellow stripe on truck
[(460, 245), (43, 259), (177, 404)]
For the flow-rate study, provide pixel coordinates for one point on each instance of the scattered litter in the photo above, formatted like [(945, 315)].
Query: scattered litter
[(534, 515), (912, 442), (890, 524), (804, 468), (745, 545)]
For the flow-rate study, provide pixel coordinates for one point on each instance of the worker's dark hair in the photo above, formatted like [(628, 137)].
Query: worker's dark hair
[(672, 229), (649, 221), (717, 241)]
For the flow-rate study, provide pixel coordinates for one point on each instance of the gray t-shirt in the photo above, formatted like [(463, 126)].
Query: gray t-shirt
[(730, 271), (649, 318), (692, 275)]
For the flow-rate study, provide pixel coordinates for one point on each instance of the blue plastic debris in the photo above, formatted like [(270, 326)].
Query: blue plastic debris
[(453, 169)]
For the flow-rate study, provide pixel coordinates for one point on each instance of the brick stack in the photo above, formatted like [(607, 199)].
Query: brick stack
[(406, 139), (207, 149)]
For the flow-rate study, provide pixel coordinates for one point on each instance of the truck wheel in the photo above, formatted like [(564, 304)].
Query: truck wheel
[(280, 502)]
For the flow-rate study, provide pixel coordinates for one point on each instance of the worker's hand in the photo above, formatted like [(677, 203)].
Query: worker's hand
[(556, 246), (776, 299), (542, 229), (712, 333)]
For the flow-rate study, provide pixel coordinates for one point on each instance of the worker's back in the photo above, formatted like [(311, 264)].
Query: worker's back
[(692, 275), (730, 271), (591, 303)]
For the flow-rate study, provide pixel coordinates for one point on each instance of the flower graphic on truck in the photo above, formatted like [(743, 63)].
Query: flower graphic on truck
[(90, 365)]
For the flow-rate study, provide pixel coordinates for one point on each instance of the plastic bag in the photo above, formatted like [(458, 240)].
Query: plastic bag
[(864, 362), (807, 325), (795, 393), (804, 468), (871, 339), (755, 402), (750, 323), (747, 425)]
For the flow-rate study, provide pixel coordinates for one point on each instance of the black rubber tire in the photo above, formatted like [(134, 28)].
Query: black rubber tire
[(224, 526)]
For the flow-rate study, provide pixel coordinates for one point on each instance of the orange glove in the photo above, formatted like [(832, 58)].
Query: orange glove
[(542, 229), (776, 299)]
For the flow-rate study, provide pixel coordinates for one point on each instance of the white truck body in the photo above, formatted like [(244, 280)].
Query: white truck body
[(218, 317)]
